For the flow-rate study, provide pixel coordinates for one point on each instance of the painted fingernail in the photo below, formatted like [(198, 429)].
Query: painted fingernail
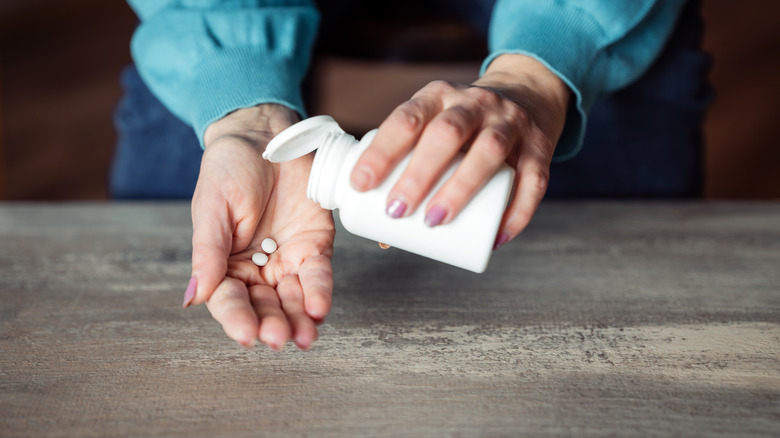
[(396, 208), (247, 343), (435, 216), (360, 179), (500, 241), (272, 344), (303, 346), (189, 294)]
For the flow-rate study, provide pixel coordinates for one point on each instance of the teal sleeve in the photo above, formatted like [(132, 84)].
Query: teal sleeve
[(594, 46), (206, 58)]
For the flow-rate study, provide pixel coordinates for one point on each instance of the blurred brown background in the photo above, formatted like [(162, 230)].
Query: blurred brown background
[(60, 62)]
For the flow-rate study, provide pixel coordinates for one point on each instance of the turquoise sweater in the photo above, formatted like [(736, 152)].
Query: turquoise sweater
[(206, 58)]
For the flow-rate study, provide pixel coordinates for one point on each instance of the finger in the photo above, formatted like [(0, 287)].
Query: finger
[(230, 306), (532, 177), (396, 136), (486, 155), (274, 329), (316, 277), (211, 244), (304, 331), (441, 140)]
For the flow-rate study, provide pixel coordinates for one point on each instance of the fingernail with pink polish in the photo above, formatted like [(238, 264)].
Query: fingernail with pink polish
[(435, 216), (247, 343), (500, 241), (396, 208), (271, 343), (189, 294), (303, 346)]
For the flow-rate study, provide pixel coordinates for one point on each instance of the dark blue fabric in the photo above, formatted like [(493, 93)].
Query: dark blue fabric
[(157, 156), (644, 141)]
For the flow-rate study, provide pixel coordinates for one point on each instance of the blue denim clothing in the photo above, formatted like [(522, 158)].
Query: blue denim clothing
[(157, 156), (642, 141), (647, 139)]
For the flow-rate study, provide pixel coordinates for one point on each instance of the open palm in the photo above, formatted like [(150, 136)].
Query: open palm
[(240, 200)]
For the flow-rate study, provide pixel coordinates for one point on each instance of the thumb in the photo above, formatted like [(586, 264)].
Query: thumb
[(212, 240)]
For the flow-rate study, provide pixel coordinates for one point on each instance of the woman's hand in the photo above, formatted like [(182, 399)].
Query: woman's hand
[(241, 199), (515, 114)]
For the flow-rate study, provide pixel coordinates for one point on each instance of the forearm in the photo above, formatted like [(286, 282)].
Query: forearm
[(204, 62), (594, 46)]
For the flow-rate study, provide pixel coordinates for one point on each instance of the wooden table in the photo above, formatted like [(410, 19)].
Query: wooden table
[(617, 319)]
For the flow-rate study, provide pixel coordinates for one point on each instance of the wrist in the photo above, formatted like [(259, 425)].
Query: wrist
[(532, 86), (257, 124)]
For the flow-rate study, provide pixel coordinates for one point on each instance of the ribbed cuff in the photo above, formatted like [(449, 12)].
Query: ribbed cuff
[(566, 41), (240, 78), (573, 134)]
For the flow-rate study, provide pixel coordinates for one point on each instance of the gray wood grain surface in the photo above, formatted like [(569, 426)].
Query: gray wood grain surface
[(621, 319)]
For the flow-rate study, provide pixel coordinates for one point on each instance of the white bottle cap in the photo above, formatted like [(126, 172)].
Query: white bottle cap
[(300, 139)]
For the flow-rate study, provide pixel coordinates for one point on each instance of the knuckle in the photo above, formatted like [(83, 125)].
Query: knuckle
[(516, 115), (375, 159), (374, 163), (450, 126), (461, 189), (459, 114), (485, 96), (318, 276), (439, 86), (409, 116), (202, 242), (410, 185), (496, 143), (520, 219), (537, 179), (225, 292), (264, 301)]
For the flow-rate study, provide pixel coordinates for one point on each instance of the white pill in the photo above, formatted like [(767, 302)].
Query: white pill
[(259, 259), (268, 245)]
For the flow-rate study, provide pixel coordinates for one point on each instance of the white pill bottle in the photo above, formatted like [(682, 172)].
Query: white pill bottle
[(465, 242)]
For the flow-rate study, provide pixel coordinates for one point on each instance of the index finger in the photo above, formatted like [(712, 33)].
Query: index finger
[(396, 136)]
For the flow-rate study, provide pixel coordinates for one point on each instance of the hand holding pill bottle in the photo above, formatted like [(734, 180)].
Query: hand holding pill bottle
[(466, 242)]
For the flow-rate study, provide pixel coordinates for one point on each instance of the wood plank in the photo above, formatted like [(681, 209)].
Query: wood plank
[(602, 319)]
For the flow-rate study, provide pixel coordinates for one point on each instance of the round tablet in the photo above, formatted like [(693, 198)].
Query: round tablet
[(268, 245), (259, 259)]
